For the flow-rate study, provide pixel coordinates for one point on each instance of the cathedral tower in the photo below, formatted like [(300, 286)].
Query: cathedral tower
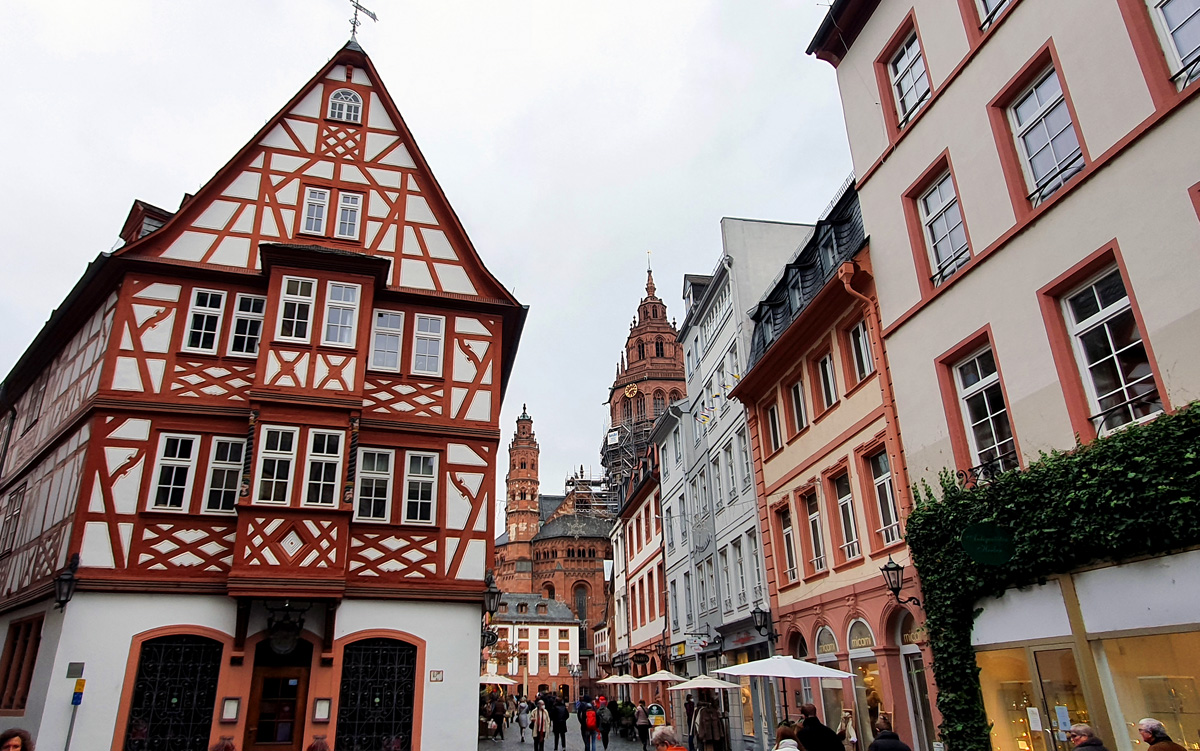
[(649, 378), (521, 510)]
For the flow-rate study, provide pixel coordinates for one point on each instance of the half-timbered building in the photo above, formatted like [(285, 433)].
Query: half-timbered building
[(261, 438)]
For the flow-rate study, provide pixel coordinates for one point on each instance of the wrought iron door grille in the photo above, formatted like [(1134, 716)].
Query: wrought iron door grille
[(174, 694), (375, 704)]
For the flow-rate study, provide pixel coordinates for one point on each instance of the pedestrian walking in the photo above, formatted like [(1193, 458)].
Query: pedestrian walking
[(510, 712), (523, 715), (785, 739), (498, 710), (589, 722), (1154, 734), (885, 738), (558, 718), (641, 720), (1084, 738), (539, 725), (689, 711), (814, 735), (605, 715)]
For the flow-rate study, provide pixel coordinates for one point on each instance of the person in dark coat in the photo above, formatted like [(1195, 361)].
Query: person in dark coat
[(815, 735), (588, 734), (1084, 738), (558, 719), (1155, 735), (689, 710), (499, 708), (885, 739)]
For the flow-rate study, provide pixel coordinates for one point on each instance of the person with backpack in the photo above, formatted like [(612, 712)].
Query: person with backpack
[(589, 722), (641, 720), (605, 715)]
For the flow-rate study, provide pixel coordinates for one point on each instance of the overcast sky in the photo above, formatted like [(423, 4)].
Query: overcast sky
[(570, 136)]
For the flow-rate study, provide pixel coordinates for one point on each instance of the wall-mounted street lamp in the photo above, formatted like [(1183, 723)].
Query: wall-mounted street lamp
[(763, 623), (893, 574), (64, 583), (491, 603)]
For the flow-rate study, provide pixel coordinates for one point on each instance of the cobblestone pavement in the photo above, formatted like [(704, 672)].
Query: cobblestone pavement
[(512, 741)]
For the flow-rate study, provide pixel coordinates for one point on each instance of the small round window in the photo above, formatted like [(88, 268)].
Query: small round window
[(345, 105)]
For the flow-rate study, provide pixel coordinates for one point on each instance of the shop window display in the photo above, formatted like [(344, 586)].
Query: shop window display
[(1152, 676)]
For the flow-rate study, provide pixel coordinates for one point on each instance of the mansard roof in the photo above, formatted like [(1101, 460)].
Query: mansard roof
[(556, 612)]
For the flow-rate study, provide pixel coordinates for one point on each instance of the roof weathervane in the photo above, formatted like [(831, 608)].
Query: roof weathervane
[(355, 23)]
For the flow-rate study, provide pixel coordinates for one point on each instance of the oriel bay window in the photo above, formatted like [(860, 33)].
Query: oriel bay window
[(1113, 360), (295, 309), (324, 467), (341, 314), (204, 321), (224, 475), (374, 484), (276, 460)]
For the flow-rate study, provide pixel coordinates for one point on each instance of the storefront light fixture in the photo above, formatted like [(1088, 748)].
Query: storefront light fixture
[(64, 583), (893, 575)]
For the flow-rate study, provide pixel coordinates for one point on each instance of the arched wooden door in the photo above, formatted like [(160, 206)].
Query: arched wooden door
[(376, 700), (174, 694)]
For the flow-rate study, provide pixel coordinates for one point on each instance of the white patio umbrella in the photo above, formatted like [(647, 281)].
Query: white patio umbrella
[(662, 675), (703, 681), (498, 680), (784, 666), (615, 679)]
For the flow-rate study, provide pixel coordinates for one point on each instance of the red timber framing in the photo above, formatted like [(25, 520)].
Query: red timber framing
[(255, 403)]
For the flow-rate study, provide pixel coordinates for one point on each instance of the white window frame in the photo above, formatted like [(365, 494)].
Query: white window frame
[(275, 455), (683, 518), (162, 461), (828, 377), (1098, 319), (215, 464), (388, 331), (674, 607), (689, 608), (723, 560), (739, 565), (727, 451), (314, 201), (1178, 63), (789, 544), (298, 299), (216, 315), (812, 509), (364, 474), (332, 305), (906, 57), (676, 445), (311, 458), (799, 413), (350, 211), (773, 429), (1059, 176), (851, 546), (663, 463), (744, 455), (702, 588), (668, 521), (13, 506), (715, 481), (419, 337), (966, 393), (860, 351), (250, 318), (433, 494), (350, 109), (705, 495), (938, 206), (885, 497)]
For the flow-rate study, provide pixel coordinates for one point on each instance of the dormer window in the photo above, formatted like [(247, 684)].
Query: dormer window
[(346, 106)]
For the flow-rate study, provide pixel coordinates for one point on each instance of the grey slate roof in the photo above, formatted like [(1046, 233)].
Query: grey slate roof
[(577, 526), (556, 612), (547, 505)]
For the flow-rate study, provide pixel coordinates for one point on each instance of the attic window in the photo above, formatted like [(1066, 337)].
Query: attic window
[(541, 609), (345, 105)]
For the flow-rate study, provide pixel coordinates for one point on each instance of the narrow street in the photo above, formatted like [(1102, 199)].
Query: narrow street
[(512, 741)]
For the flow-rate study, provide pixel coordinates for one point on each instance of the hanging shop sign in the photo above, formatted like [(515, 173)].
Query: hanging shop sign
[(988, 543)]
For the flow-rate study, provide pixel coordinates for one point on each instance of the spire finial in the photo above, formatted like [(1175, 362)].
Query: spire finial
[(355, 23)]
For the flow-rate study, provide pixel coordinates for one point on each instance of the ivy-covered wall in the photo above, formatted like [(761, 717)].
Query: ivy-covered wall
[(1131, 494)]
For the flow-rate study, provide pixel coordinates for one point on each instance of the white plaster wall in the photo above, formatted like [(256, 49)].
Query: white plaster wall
[(1158, 592), (43, 669), (97, 629), (451, 634), (1034, 613), (1141, 200)]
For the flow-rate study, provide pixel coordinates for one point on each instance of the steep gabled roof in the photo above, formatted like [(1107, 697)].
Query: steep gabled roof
[(258, 196)]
